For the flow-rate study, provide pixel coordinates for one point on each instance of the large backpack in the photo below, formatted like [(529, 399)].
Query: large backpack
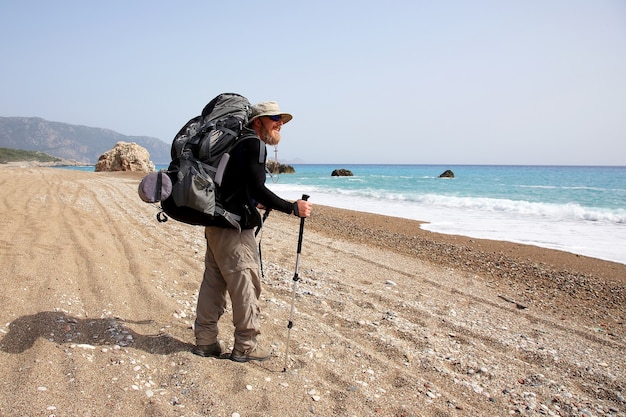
[(200, 154)]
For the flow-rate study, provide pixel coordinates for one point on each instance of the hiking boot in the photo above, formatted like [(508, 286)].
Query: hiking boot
[(213, 350), (256, 354)]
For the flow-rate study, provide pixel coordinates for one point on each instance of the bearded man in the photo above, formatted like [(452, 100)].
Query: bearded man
[(232, 261)]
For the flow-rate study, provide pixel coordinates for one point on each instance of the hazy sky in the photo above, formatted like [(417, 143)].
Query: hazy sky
[(416, 82)]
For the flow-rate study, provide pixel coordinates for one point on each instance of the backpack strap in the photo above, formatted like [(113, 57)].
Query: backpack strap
[(159, 185), (262, 153), (221, 167), (232, 218)]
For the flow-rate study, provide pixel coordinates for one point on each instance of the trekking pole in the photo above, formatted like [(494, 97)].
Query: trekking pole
[(295, 285), (258, 229), (267, 213)]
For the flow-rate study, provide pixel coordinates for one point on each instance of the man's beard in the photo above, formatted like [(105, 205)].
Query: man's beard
[(270, 137)]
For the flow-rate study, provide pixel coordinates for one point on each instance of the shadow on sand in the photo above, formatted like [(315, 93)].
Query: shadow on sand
[(62, 328)]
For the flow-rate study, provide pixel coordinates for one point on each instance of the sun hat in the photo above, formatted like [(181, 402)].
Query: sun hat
[(268, 108)]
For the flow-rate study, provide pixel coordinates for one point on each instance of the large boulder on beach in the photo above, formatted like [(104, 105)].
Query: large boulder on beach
[(341, 173), (125, 157), (447, 174), (277, 168)]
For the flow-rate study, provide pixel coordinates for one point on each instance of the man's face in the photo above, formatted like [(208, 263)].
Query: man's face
[(270, 130)]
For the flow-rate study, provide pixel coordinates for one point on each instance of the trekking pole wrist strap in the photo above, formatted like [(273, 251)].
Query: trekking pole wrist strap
[(296, 212)]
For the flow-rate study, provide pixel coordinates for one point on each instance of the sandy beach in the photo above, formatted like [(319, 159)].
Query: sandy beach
[(98, 304)]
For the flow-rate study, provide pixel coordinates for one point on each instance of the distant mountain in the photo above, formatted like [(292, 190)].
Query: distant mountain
[(80, 143)]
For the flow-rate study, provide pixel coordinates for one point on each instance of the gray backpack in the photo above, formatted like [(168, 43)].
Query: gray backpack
[(200, 154)]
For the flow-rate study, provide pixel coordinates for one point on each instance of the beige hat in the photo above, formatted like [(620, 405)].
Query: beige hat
[(268, 108)]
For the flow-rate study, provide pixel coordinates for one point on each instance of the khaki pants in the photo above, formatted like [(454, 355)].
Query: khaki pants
[(231, 265)]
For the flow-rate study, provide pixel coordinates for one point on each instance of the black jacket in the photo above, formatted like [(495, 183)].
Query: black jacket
[(243, 186)]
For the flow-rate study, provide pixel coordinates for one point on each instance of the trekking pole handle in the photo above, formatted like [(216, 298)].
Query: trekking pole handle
[(305, 198)]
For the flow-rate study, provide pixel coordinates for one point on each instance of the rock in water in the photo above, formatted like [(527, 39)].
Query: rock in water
[(341, 173)]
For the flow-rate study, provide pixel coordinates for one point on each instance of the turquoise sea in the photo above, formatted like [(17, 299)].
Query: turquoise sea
[(579, 209)]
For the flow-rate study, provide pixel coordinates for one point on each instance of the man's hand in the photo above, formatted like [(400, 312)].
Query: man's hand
[(302, 208)]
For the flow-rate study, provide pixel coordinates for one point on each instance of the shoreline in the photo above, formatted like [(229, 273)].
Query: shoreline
[(529, 271), (406, 233)]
